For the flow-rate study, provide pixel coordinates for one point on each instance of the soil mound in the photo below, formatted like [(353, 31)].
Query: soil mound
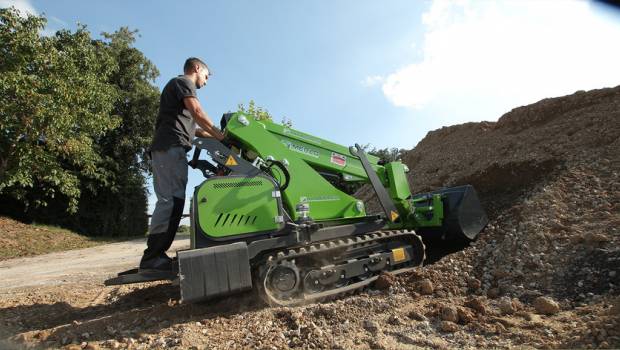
[(548, 175)]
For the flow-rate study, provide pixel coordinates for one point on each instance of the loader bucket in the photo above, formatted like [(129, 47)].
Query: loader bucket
[(463, 213)]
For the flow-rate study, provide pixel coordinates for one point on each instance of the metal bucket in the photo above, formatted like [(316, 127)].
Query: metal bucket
[(463, 213)]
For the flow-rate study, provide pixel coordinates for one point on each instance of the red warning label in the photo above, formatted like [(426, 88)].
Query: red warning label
[(339, 159)]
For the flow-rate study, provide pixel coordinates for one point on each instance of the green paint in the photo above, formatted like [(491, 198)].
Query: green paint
[(232, 205), (303, 155)]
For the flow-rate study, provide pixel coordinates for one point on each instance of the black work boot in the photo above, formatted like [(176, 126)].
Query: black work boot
[(155, 257)]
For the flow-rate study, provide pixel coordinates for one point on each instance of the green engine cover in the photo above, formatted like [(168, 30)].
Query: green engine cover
[(235, 205)]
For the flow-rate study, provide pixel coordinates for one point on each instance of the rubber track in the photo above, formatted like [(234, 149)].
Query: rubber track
[(321, 247)]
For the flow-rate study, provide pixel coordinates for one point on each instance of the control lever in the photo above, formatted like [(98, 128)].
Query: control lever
[(205, 166)]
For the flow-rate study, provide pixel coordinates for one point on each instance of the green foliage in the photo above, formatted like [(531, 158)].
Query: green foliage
[(386, 154), (259, 113), (76, 117), (53, 108), (124, 200), (287, 122)]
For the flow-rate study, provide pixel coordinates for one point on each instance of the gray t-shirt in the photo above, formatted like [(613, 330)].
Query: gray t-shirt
[(175, 125)]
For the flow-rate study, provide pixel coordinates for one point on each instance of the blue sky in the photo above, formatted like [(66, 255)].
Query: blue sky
[(379, 72)]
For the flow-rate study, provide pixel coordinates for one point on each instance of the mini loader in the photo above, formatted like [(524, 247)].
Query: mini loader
[(276, 213)]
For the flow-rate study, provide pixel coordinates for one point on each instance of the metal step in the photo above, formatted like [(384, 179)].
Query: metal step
[(138, 276)]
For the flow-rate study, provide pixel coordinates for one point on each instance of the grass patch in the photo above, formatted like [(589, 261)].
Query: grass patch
[(19, 240)]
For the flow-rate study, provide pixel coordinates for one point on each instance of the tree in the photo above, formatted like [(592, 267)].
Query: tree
[(259, 113), (123, 149), (385, 154), (53, 107), (76, 118), (388, 154)]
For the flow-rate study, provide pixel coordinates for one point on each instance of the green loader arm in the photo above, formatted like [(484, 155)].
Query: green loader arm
[(322, 176)]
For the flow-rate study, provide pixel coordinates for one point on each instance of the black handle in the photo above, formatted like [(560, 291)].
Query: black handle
[(194, 162)]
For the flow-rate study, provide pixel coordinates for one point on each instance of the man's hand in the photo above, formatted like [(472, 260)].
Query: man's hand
[(202, 133), (202, 119)]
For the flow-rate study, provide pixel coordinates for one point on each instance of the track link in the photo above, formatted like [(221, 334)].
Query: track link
[(287, 257)]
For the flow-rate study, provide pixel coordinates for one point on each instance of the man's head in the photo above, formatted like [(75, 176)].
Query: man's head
[(197, 70)]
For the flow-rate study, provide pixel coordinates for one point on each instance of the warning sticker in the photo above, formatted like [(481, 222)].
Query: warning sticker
[(339, 159), (398, 254), (393, 215), (230, 161)]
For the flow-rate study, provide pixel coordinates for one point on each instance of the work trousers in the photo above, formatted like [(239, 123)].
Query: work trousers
[(169, 182)]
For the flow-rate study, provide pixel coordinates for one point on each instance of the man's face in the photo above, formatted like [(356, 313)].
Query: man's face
[(203, 76)]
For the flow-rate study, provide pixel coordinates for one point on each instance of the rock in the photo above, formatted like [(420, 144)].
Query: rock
[(476, 304), (414, 315), (448, 326), (65, 340), (465, 316), (425, 286), (372, 326), (474, 284), (506, 306), (73, 347), (499, 328), (91, 346), (394, 320), (596, 238), (43, 335), (546, 306), (449, 313), (493, 293), (385, 281)]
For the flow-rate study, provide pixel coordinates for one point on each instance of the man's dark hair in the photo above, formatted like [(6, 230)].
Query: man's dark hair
[(193, 61)]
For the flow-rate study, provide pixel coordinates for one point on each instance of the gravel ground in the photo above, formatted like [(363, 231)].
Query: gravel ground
[(543, 274)]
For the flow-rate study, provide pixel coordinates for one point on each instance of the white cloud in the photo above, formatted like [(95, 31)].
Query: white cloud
[(516, 52), (24, 6), (372, 80), (58, 21)]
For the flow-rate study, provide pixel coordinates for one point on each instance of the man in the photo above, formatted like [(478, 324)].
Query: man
[(179, 112)]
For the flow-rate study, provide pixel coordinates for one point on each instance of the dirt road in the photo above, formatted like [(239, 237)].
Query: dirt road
[(96, 263)]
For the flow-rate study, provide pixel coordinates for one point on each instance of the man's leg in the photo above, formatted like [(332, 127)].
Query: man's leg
[(169, 182)]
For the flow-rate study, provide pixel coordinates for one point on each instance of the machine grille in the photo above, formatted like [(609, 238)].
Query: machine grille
[(219, 185)]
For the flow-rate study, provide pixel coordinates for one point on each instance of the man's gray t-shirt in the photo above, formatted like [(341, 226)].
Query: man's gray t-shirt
[(174, 126)]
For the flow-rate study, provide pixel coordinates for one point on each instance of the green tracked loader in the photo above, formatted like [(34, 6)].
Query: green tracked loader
[(277, 213)]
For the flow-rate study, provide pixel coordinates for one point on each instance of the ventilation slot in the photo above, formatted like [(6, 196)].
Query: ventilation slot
[(220, 185), (234, 220), (226, 219), (218, 219)]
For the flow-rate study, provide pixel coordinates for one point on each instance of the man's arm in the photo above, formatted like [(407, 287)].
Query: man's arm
[(202, 119), (202, 133)]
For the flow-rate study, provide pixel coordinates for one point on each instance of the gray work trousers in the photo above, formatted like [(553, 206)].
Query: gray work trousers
[(169, 182)]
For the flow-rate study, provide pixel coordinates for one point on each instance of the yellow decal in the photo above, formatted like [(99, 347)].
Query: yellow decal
[(393, 215), (231, 161), (398, 254)]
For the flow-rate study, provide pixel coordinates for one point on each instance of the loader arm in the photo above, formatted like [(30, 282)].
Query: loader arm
[(320, 171)]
